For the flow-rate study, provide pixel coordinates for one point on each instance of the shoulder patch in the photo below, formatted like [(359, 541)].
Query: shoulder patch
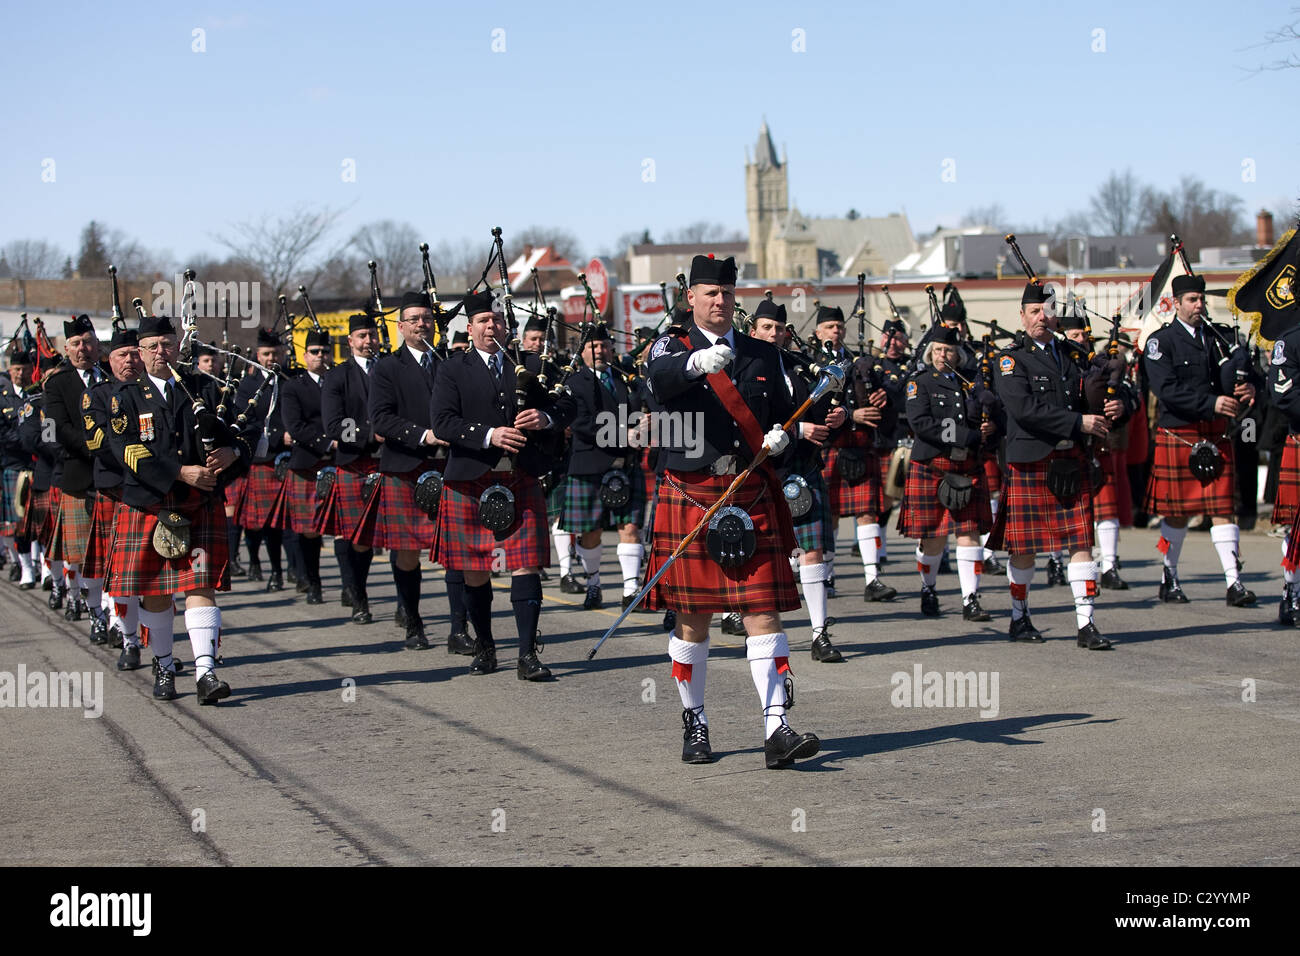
[(911, 390), (660, 346), (88, 422), (1153, 349), (1006, 364), (115, 405), (85, 400), (1279, 353)]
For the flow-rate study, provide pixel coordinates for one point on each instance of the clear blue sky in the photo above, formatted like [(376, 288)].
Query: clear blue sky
[(170, 145)]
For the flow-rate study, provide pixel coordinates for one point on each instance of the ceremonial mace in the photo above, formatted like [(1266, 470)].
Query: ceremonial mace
[(831, 380)]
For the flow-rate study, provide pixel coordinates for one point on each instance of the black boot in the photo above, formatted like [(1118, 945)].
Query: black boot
[(669, 622), (361, 612), (254, 569), (695, 738), (1170, 591), (822, 648), (415, 639), (485, 658), (785, 746), (1111, 581), (1023, 630), (459, 642), (971, 610), (929, 601), (211, 689), (531, 668), (877, 590), (1239, 596), (733, 623), (275, 582), (1288, 611), (1091, 638)]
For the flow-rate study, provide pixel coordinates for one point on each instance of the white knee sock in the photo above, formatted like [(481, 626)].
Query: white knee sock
[(1171, 544), (690, 669), (629, 559), (1082, 576), (94, 592), (563, 543), (1288, 574), (927, 565), (1108, 542), (868, 544), (769, 661), (812, 576), (1227, 541), (56, 572), (203, 624), (1020, 579), (29, 570), (156, 634), (590, 558), (970, 565)]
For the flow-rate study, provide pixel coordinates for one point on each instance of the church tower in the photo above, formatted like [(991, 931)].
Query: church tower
[(767, 196)]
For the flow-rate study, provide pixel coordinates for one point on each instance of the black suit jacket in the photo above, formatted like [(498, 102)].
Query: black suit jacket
[(595, 408), (345, 412), (302, 419), (1044, 401), (758, 375), (31, 431), (12, 401), (399, 410), (64, 404), (258, 414), (467, 403), (107, 469)]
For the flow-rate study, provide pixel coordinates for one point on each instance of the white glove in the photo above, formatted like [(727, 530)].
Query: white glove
[(776, 440), (710, 360)]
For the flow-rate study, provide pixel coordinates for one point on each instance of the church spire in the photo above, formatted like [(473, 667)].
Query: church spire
[(765, 149)]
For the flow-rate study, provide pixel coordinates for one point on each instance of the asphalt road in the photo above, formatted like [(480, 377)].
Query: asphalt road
[(1144, 754)]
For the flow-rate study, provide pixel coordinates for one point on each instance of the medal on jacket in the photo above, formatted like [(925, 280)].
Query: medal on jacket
[(146, 426)]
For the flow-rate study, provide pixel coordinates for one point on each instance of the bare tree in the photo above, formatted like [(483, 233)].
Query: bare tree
[(992, 216), (562, 242), (618, 248), (1117, 204), (704, 231), (1286, 40), (279, 246), (395, 248), (1199, 215), (33, 259)]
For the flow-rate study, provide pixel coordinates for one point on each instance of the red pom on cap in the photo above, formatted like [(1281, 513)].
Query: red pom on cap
[(710, 255)]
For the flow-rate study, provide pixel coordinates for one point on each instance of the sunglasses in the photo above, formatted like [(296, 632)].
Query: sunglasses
[(318, 352)]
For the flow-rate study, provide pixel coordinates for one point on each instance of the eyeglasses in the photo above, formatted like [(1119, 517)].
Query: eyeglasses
[(161, 346), (318, 352)]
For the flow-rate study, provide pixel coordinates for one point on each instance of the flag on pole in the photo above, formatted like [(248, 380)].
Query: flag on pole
[(1153, 306), (1265, 295)]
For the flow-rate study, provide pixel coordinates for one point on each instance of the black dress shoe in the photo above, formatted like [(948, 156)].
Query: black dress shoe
[(211, 689), (254, 570), (695, 739), (275, 582), (1111, 581), (877, 590), (15, 571), (460, 642), (291, 575), (1239, 596), (640, 608), (72, 609), (1055, 572), (47, 584), (27, 586), (129, 659), (302, 585), (98, 627), (485, 659), (1024, 631), (830, 587), (55, 600), (346, 598), (670, 621), (399, 616), (1091, 638), (115, 637), (1288, 611), (993, 566), (530, 668), (822, 648), (733, 623), (929, 602), (361, 613), (237, 570), (1170, 591), (971, 610), (178, 665), (542, 573), (314, 596), (570, 585), (785, 746), (415, 639), (595, 600), (164, 683)]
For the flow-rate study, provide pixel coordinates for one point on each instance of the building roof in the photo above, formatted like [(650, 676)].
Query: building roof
[(764, 149), (541, 258), (676, 248), (845, 242)]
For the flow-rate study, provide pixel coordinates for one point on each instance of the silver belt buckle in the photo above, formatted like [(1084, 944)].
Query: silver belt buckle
[(958, 454), (504, 464), (1065, 444), (725, 465)]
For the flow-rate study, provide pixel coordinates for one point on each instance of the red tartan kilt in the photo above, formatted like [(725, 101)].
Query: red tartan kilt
[(1035, 520), (1288, 483), (1173, 491), (234, 491), (99, 547), (884, 459), (992, 473), (695, 584), (341, 511), (72, 528), (391, 518), (847, 499), (46, 531), (299, 506), (33, 519), (136, 568), (924, 517), (260, 503), (647, 473), (463, 544), (1113, 501)]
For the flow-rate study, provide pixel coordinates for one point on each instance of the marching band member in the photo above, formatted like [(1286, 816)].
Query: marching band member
[(311, 450)]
